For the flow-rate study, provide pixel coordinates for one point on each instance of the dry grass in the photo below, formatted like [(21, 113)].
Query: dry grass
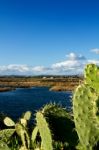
[(56, 84), (4, 89)]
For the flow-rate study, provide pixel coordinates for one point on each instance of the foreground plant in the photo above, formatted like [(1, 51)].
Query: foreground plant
[(45, 133), (20, 128), (61, 125), (86, 109), (26, 141)]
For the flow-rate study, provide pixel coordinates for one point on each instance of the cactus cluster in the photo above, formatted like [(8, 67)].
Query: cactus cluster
[(20, 128), (86, 108)]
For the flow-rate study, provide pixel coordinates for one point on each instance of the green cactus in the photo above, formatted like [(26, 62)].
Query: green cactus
[(6, 134), (34, 134), (9, 122), (86, 109), (25, 118), (27, 115), (3, 146), (22, 132), (92, 76), (46, 137), (61, 124), (20, 128)]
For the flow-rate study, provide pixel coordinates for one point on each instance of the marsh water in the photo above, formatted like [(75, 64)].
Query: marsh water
[(14, 103)]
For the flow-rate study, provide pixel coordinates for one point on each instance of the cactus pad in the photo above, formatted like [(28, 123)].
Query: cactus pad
[(9, 122), (6, 134), (46, 139), (92, 76), (27, 115), (86, 116)]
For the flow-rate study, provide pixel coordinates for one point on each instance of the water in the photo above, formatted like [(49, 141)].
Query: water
[(14, 103)]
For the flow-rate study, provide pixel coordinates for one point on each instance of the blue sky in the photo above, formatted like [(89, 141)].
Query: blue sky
[(48, 36)]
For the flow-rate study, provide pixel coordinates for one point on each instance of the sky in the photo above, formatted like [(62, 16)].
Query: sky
[(48, 36)]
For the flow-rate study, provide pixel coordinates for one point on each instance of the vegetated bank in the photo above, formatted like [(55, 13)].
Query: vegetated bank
[(55, 83)]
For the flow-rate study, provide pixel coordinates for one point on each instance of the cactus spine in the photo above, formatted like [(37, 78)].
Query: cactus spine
[(86, 107)]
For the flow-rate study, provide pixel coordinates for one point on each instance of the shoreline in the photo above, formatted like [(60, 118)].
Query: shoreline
[(54, 84), (6, 89)]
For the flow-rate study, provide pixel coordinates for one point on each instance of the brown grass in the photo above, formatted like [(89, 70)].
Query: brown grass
[(4, 89), (56, 84)]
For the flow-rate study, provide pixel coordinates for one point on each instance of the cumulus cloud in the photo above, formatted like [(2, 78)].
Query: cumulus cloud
[(95, 50), (13, 69), (39, 69), (73, 64)]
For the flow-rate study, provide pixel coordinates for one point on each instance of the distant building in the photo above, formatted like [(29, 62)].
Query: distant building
[(44, 77), (51, 77)]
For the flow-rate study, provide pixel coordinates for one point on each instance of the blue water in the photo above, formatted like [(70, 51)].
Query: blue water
[(14, 103)]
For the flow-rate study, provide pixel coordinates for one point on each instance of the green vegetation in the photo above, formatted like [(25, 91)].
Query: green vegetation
[(56, 128), (86, 108)]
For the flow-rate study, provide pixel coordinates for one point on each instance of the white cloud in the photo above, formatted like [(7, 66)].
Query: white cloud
[(38, 69), (73, 56), (95, 50), (73, 64), (13, 69), (65, 65), (20, 68), (94, 62)]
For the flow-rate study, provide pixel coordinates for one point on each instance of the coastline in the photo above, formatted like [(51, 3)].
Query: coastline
[(54, 84)]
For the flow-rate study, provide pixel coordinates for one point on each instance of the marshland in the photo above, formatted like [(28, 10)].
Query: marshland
[(55, 83)]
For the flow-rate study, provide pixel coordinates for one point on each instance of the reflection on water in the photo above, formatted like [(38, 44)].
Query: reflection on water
[(14, 103)]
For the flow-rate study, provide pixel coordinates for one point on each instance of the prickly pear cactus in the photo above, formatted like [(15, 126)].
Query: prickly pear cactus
[(6, 134), (92, 76), (3, 146), (34, 134), (46, 139), (27, 115), (22, 132), (25, 118), (86, 109), (9, 122), (20, 128), (61, 124)]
